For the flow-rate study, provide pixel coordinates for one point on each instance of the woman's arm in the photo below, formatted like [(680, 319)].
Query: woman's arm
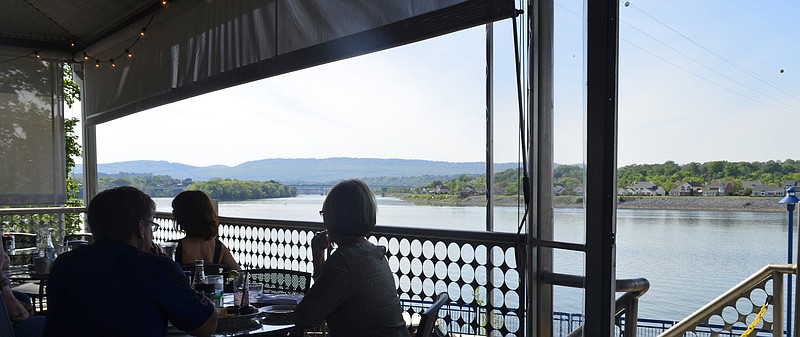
[(227, 258), (319, 243)]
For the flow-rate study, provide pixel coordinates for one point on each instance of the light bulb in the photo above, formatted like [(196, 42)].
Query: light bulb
[(128, 52)]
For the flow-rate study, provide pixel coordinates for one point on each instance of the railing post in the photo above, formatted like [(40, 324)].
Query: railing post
[(777, 304)]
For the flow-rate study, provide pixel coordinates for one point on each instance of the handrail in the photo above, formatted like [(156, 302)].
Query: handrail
[(42, 210), (760, 277), (626, 304)]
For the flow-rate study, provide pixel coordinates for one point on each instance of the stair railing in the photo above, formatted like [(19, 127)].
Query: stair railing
[(754, 289)]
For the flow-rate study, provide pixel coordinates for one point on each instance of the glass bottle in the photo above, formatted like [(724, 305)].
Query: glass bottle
[(44, 243), (199, 275)]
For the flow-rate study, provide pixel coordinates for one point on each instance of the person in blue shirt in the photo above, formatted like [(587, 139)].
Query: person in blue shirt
[(118, 286)]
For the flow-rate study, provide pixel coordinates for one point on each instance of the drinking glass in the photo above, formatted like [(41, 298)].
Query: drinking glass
[(255, 290), (218, 282)]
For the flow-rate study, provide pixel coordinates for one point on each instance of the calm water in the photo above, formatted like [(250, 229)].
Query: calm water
[(689, 257)]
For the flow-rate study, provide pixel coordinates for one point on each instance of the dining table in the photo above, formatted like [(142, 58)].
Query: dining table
[(260, 323)]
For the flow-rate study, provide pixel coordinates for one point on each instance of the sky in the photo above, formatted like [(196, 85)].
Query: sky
[(698, 81)]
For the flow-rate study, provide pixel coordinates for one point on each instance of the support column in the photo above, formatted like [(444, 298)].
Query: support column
[(540, 171), (601, 165)]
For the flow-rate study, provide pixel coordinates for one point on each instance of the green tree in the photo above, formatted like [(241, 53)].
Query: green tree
[(72, 94)]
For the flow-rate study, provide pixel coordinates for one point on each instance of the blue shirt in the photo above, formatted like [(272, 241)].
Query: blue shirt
[(114, 289)]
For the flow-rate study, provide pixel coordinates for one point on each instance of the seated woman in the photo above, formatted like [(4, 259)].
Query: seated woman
[(196, 216), (354, 289)]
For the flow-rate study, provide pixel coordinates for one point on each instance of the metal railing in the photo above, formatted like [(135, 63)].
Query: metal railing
[(739, 307), (627, 305), (478, 270), (28, 220)]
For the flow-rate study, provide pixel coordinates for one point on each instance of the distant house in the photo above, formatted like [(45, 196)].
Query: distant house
[(437, 190), (622, 191), (768, 191), (718, 188), (750, 183), (687, 188), (646, 188), (558, 189), (791, 183)]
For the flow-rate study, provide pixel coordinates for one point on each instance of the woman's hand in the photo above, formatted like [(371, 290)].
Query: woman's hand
[(320, 242)]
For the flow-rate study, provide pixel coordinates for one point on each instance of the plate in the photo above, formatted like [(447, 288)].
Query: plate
[(278, 314), (238, 322)]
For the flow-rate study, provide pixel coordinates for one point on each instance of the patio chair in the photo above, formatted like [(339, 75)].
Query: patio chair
[(281, 281), (428, 320), (37, 291)]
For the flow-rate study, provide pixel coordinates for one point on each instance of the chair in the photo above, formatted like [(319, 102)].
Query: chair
[(5, 321), (37, 291), (281, 281), (428, 320)]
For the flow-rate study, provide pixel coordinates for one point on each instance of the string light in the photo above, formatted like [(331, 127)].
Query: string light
[(86, 57)]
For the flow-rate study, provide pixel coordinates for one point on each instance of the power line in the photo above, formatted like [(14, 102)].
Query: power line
[(708, 67), (710, 81), (733, 64)]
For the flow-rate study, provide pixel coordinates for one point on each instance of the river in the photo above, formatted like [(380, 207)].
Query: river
[(689, 257)]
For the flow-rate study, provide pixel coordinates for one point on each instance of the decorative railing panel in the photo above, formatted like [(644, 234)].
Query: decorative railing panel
[(478, 270), (30, 220), (738, 308)]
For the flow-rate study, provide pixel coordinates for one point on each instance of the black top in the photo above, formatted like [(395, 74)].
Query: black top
[(217, 252)]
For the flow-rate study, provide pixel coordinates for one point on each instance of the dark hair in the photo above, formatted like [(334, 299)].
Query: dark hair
[(195, 214), (114, 214), (350, 209)]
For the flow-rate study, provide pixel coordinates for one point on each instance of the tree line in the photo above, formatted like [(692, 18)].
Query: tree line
[(667, 175), (670, 174)]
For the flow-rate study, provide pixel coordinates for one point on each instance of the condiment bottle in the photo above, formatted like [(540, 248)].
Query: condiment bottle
[(199, 275)]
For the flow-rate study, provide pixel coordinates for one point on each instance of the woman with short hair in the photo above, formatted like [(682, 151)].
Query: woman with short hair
[(195, 215), (354, 290)]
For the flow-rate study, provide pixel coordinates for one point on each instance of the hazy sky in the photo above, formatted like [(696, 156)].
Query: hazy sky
[(698, 81)]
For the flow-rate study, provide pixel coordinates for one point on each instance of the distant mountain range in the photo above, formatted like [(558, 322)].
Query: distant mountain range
[(294, 171)]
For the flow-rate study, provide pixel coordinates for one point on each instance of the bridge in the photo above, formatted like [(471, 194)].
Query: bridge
[(322, 189)]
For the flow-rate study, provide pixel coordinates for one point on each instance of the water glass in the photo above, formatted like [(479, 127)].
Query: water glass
[(255, 290), (218, 282)]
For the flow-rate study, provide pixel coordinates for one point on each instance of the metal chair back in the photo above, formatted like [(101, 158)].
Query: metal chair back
[(429, 317), (281, 281)]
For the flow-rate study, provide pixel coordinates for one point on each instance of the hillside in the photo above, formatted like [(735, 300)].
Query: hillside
[(293, 171)]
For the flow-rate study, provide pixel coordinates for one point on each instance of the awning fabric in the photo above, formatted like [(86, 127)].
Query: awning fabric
[(194, 47), (32, 154)]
